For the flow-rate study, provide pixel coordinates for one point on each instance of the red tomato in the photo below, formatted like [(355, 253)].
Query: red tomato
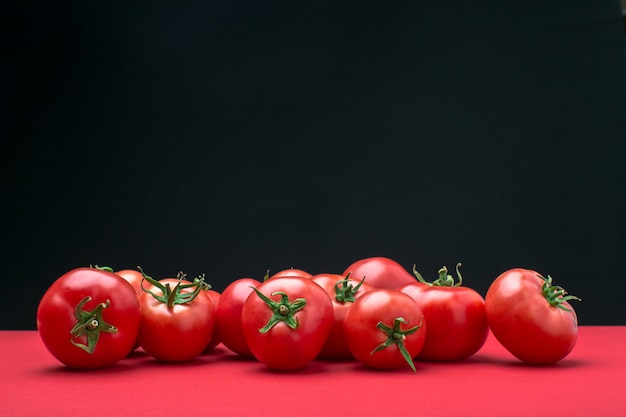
[(215, 298), (133, 276), (531, 317), (89, 318), (342, 290), (286, 322), (457, 324), (385, 329), (228, 315), (291, 272), (177, 319), (380, 272)]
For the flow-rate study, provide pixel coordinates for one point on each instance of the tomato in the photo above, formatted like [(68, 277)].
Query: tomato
[(89, 318), (385, 329), (286, 322), (177, 319), (342, 290), (215, 298), (228, 315), (291, 272), (133, 276), (531, 317), (380, 272), (457, 323)]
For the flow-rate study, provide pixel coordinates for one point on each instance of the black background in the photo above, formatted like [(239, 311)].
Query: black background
[(232, 137)]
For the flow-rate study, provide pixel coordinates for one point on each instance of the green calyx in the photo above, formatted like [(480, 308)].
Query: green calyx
[(282, 311), (556, 295), (444, 280), (173, 296), (397, 336), (345, 291), (90, 324)]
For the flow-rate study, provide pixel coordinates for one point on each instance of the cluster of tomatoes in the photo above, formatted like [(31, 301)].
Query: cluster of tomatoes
[(375, 312)]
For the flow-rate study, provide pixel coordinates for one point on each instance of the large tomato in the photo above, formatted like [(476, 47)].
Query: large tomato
[(457, 324), (286, 322), (177, 319), (380, 272), (228, 315), (89, 318), (342, 290), (531, 317), (385, 329)]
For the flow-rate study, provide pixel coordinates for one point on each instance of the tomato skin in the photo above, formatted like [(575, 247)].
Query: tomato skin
[(362, 335), (523, 321), (178, 333), (380, 272), (281, 347), (215, 298), (56, 317), (291, 272), (457, 322), (336, 347), (134, 277), (228, 315)]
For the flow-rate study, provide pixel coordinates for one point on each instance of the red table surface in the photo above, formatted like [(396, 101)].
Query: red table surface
[(591, 381)]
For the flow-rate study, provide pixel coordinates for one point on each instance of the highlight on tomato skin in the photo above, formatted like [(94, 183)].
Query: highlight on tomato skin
[(531, 317)]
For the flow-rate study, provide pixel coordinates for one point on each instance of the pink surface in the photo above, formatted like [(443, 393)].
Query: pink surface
[(591, 381)]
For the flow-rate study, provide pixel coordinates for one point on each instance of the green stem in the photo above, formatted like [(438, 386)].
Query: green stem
[(556, 295), (90, 324), (345, 291), (173, 296), (397, 336), (282, 311), (444, 279)]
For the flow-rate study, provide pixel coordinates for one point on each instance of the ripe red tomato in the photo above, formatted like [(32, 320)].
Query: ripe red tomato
[(385, 329), (133, 276), (380, 272), (286, 322), (291, 272), (228, 315), (342, 290), (177, 319), (89, 318), (215, 298), (457, 324), (531, 317)]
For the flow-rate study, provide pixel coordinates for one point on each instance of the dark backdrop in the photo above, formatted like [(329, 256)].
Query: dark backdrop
[(232, 137)]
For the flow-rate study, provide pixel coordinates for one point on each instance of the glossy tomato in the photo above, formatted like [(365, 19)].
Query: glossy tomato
[(457, 323), (385, 329), (89, 318), (286, 321), (215, 298), (290, 272), (380, 272), (133, 276), (177, 319), (531, 317), (228, 315), (342, 290)]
